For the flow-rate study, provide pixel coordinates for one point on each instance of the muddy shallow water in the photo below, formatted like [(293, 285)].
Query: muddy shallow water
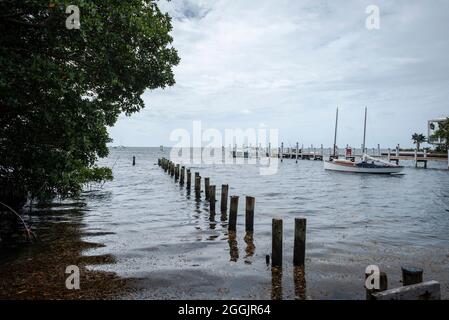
[(153, 230)]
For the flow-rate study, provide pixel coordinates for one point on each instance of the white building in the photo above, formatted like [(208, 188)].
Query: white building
[(433, 126)]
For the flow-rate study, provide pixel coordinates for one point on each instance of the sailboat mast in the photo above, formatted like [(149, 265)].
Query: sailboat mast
[(364, 132), (335, 135)]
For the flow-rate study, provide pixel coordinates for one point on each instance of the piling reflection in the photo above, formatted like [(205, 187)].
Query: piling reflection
[(233, 247), (299, 279), (212, 223), (276, 283), (250, 247), (224, 216)]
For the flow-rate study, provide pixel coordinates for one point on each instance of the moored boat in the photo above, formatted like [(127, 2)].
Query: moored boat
[(375, 166), (367, 164)]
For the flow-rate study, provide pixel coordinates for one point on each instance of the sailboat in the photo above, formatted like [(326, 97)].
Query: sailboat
[(367, 164)]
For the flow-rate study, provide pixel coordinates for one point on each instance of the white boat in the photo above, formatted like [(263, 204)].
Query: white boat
[(367, 164)]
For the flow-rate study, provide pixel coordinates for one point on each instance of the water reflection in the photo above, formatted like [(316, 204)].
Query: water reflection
[(212, 223), (233, 247), (250, 247), (276, 283), (299, 279)]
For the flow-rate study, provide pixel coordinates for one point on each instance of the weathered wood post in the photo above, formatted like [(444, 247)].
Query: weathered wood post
[(282, 152), (276, 244), (411, 275), (249, 216), (297, 151), (206, 187), (269, 149), (224, 198), (134, 160), (177, 172), (416, 158), (197, 185), (383, 285), (189, 179), (166, 166), (181, 179), (397, 150), (299, 250), (212, 199), (232, 226)]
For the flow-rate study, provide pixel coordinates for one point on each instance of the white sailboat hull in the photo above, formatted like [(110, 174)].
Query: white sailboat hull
[(347, 167)]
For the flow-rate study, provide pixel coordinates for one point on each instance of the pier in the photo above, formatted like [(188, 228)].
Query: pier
[(419, 158)]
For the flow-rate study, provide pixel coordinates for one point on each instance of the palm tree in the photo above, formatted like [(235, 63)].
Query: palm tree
[(418, 138)]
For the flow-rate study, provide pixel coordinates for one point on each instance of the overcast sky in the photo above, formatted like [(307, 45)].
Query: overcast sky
[(287, 65)]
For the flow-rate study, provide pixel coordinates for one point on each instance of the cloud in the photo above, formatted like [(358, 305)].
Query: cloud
[(291, 63)]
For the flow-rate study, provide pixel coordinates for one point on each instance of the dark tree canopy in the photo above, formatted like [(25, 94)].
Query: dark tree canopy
[(61, 88)]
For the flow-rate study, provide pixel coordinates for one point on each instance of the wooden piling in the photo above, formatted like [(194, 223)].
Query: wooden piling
[(411, 275), (197, 185), (232, 226), (206, 187), (177, 172), (299, 250), (249, 214), (224, 198), (212, 199), (282, 152), (297, 150), (134, 160), (181, 179), (276, 245), (189, 179)]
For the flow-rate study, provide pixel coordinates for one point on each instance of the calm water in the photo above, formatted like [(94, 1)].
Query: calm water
[(164, 236)]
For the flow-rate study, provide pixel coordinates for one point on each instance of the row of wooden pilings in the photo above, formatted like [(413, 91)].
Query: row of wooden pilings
[(179, 173)]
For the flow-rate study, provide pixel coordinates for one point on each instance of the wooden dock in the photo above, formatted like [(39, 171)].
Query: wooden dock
[(420, 158)]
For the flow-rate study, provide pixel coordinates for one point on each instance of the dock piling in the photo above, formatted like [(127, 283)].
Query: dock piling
[(249, 216), (276, 245), (206, 188), (299, 250), (224, 198), (181, 179), (233, 213), (189, 179), (212, 199), (411, 275), (197, 185)]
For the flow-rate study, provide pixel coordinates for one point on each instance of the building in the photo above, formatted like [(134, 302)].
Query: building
[(433, 126)]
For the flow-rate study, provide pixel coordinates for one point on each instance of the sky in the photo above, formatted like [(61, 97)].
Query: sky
[(288, 65)]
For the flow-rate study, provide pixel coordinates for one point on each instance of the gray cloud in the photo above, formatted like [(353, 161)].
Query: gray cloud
[(289, 64)]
